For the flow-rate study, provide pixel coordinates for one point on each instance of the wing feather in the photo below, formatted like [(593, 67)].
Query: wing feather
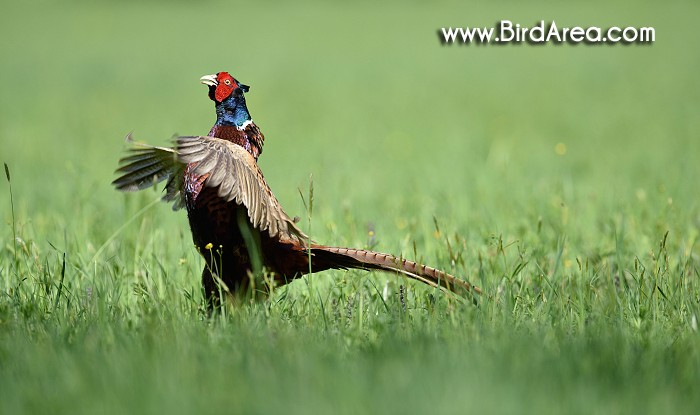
[(229, 168), (148, 165), (236, 175)]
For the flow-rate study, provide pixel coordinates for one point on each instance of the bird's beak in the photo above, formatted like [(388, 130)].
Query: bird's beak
[(209, 80)]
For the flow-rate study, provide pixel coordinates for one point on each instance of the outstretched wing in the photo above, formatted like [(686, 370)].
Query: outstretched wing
[(233, 171), (147, 166)]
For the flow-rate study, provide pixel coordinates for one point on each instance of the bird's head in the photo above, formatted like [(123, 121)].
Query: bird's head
[(223, 86), (227, 94)]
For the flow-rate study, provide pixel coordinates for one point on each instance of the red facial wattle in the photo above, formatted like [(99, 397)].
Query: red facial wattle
[(225, 86)]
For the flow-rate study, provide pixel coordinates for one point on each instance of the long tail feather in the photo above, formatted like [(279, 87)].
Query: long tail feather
[(335, 257)]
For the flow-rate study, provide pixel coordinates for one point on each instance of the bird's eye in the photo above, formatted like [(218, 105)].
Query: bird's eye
[(227, 82)]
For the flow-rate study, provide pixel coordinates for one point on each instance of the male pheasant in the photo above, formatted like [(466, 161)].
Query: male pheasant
[(236, 221)]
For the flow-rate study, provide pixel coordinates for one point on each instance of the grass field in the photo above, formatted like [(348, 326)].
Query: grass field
[(563, 180)]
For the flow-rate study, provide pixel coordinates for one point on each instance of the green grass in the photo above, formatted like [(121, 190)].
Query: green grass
[(588, 257)]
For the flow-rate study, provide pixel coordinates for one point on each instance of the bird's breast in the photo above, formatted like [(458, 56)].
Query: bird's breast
[(193, 184), (249, 138)]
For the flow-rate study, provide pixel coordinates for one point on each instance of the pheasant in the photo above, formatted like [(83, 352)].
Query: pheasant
[(237, 223)]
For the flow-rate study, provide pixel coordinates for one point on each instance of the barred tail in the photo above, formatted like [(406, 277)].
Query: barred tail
[(335, 257)]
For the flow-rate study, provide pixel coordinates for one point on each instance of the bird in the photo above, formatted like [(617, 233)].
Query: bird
[(237, 224)]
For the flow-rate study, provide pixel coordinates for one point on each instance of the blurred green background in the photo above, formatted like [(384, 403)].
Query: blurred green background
[(566, 155), (365, 98)]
